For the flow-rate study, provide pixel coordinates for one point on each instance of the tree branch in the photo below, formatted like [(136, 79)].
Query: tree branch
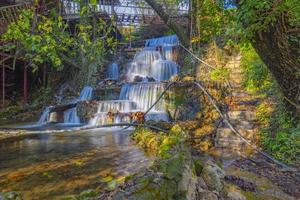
[(177, 28)]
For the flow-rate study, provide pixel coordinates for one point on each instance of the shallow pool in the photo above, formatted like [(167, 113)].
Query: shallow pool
[(49, 166)]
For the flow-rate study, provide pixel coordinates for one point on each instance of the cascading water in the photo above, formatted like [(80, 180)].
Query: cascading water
[(151, 62), (144, 94), (165, 44), (70, 116), (44, 117), (113, 72), (171, 40), (163, 70), (142, 64)]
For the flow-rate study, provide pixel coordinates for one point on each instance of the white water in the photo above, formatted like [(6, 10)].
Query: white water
[(70, 116), (154, 61), (144, 94), (171, 40), (113, 72), (44, 117), (151, 62)]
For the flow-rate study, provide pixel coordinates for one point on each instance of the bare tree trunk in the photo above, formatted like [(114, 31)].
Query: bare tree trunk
[(177, 28)]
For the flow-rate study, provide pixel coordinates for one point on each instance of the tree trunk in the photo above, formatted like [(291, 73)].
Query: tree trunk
[(25, 83), (277, 53), (177, 28)]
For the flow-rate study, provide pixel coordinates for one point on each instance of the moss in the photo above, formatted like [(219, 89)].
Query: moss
[(158, 144), (198, 167)]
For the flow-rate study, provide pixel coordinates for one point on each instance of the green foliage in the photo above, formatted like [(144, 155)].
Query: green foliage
[(85, 195), (256, 15), (282, 137), (159, 144), (280, 134), (38, 41), (44, 39), (220, 74), (257, 76), (212, 21)]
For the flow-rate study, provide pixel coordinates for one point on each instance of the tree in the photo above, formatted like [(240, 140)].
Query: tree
[(44, 39), (272, 26)]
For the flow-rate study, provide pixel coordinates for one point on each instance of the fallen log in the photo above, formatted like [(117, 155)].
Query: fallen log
[(61, 108)]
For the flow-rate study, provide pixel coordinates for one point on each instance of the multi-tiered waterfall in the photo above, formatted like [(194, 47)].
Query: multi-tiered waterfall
[(153, 63), (150, 67)]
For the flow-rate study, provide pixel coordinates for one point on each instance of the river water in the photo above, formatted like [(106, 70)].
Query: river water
[(49, 166)]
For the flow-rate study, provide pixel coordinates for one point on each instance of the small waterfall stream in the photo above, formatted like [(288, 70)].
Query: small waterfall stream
[(70, 116), (113, 72)]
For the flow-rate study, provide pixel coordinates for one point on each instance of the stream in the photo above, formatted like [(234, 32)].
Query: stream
[(49, 166)]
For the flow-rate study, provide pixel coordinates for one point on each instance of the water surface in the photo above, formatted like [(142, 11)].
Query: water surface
[(49, 166)]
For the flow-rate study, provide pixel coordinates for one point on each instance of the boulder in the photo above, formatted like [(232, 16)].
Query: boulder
[(208, 195), (213, 176), (138, 79), (150, 79), (236, 196)]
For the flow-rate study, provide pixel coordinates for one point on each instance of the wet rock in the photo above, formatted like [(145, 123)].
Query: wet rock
[(188, 183), (213, 176), (201, 183), (208, 195), (124, 78), (150, 79), (236, 196), (241, 183), (138, 79)]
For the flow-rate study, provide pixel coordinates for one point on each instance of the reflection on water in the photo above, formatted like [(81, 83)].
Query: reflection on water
[(49, 166)]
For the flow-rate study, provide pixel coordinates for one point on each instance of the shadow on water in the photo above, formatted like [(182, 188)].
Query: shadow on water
[(49, 166)]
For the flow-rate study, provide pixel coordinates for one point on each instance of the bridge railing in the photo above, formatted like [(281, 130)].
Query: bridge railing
[(71, 9), (9, 14)]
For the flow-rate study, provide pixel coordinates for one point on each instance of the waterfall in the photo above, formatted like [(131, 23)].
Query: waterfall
[(154, 61), (167, 52), (118, 106), (86, 93), (148, 69), (171, 40), (143, 94), (149, 63), (70, 116), (163, 70), (113, 72), (44, 117), (166, 45)]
